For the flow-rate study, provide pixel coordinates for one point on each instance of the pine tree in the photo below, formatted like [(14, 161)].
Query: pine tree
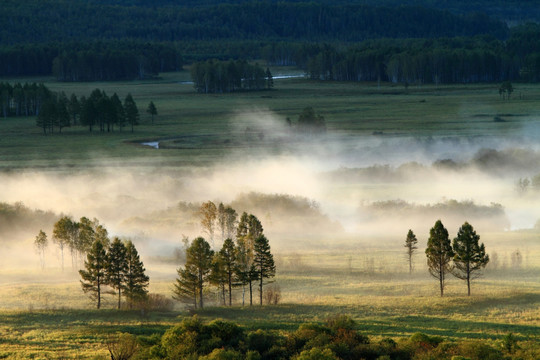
[(228, 255), (263, 262), (131, 111), (136, 283), (469, 256), (218, 276), (249, 228), (93, 278), (117, 267), (199, 257), (41, 244), (439, 253), (410, 245), (152, 110), (185, 287)]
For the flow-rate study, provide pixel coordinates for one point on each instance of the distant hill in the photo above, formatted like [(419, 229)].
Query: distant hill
[(511, 11), (46, 21)]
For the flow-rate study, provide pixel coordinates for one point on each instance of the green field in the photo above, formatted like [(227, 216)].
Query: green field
[(45, 315), (207, 127)]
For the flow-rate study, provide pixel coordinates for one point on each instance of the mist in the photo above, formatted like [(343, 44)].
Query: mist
[(309, 192)]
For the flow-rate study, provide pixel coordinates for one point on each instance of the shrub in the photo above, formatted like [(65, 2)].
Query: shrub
[(272, 294), (122, 346), (316, 354)]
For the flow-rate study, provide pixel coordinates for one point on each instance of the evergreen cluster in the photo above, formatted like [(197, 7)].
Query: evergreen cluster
[(418, 61), (213, 76), (118, 266), (241, 263), (98, 110), (464, 257)]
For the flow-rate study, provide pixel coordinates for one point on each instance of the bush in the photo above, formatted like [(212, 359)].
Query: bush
[(272, 294), (222, 354), (316, 354), (122, 346)]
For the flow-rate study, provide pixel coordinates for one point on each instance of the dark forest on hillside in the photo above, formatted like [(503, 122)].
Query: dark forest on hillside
[(409, 42)]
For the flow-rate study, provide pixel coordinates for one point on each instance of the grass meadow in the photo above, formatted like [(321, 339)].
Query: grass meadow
[(45, 315)]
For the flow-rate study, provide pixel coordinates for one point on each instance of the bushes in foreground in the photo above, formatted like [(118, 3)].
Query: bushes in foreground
[(337, 339)]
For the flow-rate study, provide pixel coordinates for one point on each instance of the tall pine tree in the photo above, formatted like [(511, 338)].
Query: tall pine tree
[(93, 278), (136, 281), (439, 253), (117, 267), (185, 287), (469, 256), (410, 245), (263, 262)]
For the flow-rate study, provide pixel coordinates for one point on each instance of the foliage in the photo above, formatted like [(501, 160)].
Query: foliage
[(117, 267), (93, 277), (215, 76), (135, 280), (263, 262), (40, 243), (410, 245), (122, 346), (439, 254), (469, 256), (311, 123)]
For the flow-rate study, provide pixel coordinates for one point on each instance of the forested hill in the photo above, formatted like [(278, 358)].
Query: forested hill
[(45, 21), (512, 11)]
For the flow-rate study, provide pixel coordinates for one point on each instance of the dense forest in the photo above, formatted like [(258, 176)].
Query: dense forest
[(415, 41)]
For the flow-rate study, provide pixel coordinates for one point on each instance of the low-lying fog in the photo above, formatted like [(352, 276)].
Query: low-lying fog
[(322, 192)]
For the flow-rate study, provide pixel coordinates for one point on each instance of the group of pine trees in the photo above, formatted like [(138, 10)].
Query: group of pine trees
[(214, 76), (98, 110), (106, 265), (244, 262), (118, 266), (464, 257)]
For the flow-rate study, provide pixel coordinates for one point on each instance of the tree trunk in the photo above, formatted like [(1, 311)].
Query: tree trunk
[(98, 294), (468, 280), (119, 297), (230, 289), (261, 288), (250, 293)]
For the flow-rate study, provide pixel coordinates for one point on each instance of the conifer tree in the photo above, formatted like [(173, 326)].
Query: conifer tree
[(439, 253), (152, 110), (410, 245), (218, 275), (117, 267), (228, 255), (263, 262), (136, 281), (199, 257), (93, 278), (249, 228), (131, 111), (185, 287), (469, 256)]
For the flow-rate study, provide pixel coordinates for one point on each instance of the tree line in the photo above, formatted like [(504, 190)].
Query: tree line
[(106, 264), (91, 61), (97, 111), (464, 257), (244, 262), (418, 61), (55, 20), (22, 99), (214, 76)]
